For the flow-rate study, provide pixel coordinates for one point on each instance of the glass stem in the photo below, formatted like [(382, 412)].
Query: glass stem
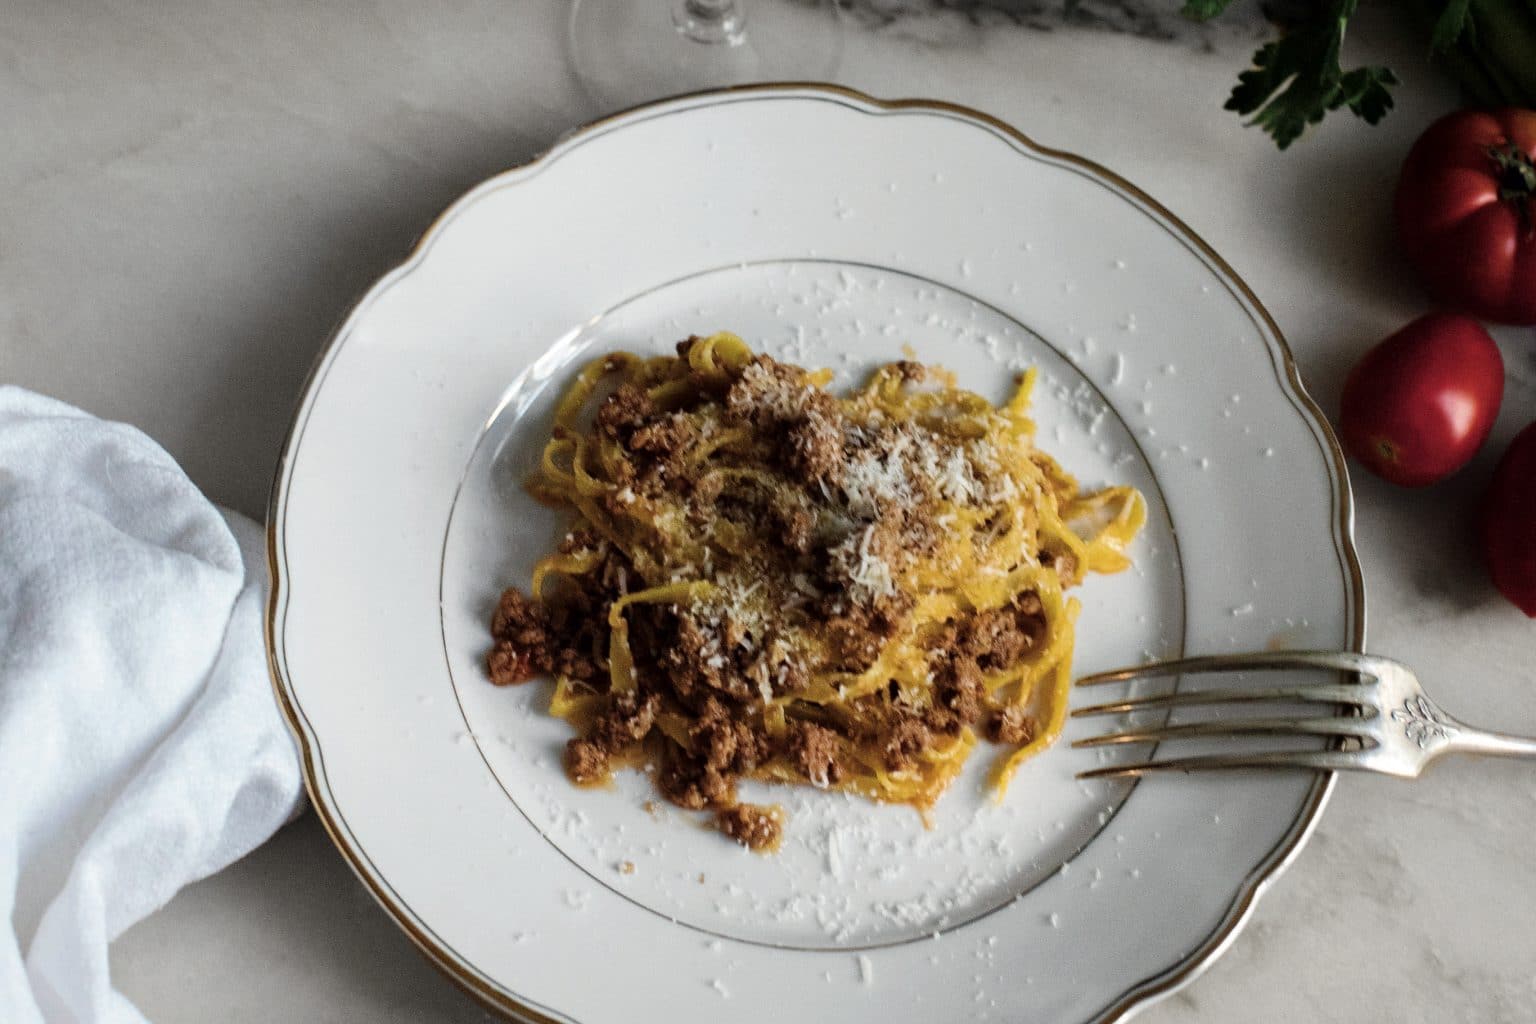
[(711, 21)]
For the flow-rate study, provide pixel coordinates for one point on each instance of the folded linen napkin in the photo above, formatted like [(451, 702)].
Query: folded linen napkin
[(140, 747)]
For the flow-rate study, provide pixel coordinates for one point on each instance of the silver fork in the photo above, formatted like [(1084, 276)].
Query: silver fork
[(1394, 727)]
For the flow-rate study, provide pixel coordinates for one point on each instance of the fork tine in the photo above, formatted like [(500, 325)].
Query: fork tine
[(1355, 727), (1338, 661), (1321, 760), (1323, 693)]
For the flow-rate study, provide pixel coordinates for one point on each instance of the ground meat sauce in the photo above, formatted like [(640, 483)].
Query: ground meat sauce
[(525, 645), (708, 672), (1010, 725), (753, 826), (816, 753)]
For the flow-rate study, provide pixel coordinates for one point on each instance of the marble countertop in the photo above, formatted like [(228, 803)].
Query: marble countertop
[(192, 193)]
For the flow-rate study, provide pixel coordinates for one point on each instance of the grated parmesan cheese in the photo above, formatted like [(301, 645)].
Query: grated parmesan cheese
[(955, 480), (870, 482), (872, 575)]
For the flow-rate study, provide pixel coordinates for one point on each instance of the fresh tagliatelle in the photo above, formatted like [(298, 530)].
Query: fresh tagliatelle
[(768, 581)]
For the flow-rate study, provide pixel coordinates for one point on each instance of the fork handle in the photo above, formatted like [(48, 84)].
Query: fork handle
[(1497, 744)]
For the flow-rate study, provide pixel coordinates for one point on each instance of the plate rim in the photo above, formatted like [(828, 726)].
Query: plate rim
[(1149, 990)]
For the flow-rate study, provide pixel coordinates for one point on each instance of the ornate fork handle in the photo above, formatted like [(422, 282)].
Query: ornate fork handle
[(1422, 720)]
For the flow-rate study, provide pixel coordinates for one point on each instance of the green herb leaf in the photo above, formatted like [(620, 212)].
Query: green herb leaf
[(1260, 82), (1205, 10), (1297, 79), (1449, 26), (1368, 92)]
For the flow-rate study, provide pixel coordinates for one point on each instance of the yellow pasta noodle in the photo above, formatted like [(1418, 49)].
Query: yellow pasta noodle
[(769, 581)]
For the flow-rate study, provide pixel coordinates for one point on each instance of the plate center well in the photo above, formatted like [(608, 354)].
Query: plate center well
[(851, 874)]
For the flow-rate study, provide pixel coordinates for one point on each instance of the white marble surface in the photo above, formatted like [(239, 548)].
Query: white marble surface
[(193, 191)]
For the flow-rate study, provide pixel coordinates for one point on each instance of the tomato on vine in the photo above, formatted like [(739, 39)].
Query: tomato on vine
[(1466, 213)]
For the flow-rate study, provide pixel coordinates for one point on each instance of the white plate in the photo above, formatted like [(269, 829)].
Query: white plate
[(831, 229)]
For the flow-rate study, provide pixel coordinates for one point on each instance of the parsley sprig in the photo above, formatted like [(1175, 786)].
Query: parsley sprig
[(1298, 78)]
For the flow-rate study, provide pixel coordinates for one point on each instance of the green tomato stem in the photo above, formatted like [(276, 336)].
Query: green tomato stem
[(1517, 174), (1517, 181)]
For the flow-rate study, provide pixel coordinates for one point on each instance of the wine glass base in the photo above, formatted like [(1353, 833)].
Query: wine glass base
[(627, 52)]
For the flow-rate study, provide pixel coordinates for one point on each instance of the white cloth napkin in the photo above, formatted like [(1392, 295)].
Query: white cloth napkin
[(140, 747)]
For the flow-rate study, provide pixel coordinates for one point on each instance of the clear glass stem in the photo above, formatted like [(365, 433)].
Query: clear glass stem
[(628, 51), (713, 22)]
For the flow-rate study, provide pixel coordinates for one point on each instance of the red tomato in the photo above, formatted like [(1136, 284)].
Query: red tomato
[(1466, 213), (1418, 406), (1509, 523)]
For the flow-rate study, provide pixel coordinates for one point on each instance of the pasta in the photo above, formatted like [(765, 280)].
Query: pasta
[(768, 581)]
